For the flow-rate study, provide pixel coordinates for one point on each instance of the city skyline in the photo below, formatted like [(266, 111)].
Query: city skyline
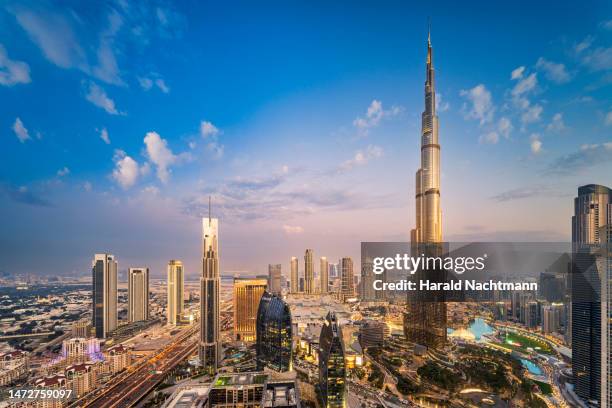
[(532, 109)]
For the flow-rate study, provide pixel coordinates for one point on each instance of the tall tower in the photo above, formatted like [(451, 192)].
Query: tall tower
[(324, 274), (209, 295), (247, 294), (332, 365), (138, 294), (425, 317), (104, 275), (176, 292), (591, 307), (274, 279), (347, 286), (309, 286), (295, 280), (274, 334), (428, 227)]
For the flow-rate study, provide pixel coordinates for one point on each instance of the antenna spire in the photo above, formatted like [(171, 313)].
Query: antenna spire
[(209, 210)]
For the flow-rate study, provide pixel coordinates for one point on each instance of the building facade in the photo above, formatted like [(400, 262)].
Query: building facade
[(309, 283), (274, 278), (176, 292), (138, 294), (209, 296), (104, 279), (274, 348), (590, 310), (347, 285), (247, 294), (324, 275), (332, 365), (425, 319)]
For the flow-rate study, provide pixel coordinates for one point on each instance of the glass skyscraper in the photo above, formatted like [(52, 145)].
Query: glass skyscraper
[(104, 275), (332, 366), (274, 334)]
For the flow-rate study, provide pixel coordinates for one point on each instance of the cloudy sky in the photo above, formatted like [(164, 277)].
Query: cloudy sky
[(301, 120)]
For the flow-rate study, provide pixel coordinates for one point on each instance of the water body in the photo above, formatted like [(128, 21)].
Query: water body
[(532, 367), (476, 329)]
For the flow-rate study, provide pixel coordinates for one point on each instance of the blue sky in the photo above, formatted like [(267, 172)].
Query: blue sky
[(301, 120)]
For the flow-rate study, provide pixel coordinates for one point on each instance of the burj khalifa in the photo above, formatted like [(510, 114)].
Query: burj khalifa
[(425, 317)]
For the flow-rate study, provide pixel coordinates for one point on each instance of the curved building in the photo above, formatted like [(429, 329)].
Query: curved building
[(274, 334), (332, 366)]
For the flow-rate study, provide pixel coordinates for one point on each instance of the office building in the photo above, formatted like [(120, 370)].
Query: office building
[(332, 366), (590, 294), (104, 279), (274, 279), (372, 333), (324, 275), (274, 334), (209, 296), (347, 287), (138, 294), (295, 277), (176, 292), (309, 283), (247, 294)]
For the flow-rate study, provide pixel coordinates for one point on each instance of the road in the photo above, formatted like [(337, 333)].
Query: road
[(138, 380)]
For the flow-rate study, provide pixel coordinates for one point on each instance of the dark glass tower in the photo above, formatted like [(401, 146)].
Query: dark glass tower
[(590, 290), (274, 334), (332, 367)]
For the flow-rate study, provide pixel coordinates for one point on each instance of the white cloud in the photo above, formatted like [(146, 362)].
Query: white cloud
[(525, 85), (104, 136), (63, 172), (599, 59), (606, 25), (107, 68), (98, 97), (536, 144), (12, 72), (608, 119), (441, 106), (126, 169), (531, 114), (555, 72), (557, 124), (362, 157), (583, 45), (489, 138), (162, 85), (160, 155), (517, 73), (21, 131), (145, 83), (293, 229), (150, 190), (374, 114), (505, 127), (482, 107), (87, 186), (211, 133)]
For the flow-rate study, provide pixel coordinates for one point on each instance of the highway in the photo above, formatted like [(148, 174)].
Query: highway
[(138, 380)]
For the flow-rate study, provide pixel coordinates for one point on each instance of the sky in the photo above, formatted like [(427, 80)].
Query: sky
[(300, 120)]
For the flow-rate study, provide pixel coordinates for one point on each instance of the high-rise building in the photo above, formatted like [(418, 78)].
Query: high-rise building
[(295, 278), (591, 302), (80, 350), (209, 295), (138, 294), (372, 333), (274, 334), (247, 294), (324, 274), (550, 319), (425, 317), (104, 275), (347, 288), (309, 284), (274, 279), (332, 366), (176, 292), (366, 286)]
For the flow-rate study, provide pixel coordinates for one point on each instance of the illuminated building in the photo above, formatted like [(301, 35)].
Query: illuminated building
[(247, 293), (372, 333), (324, 275), (274, 334), (176, 292), (80, 350), (104, 278), (81, 378), (295, 280), (332, 367), (209, 349), (347, 288), (117, 358), (274, 279)]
